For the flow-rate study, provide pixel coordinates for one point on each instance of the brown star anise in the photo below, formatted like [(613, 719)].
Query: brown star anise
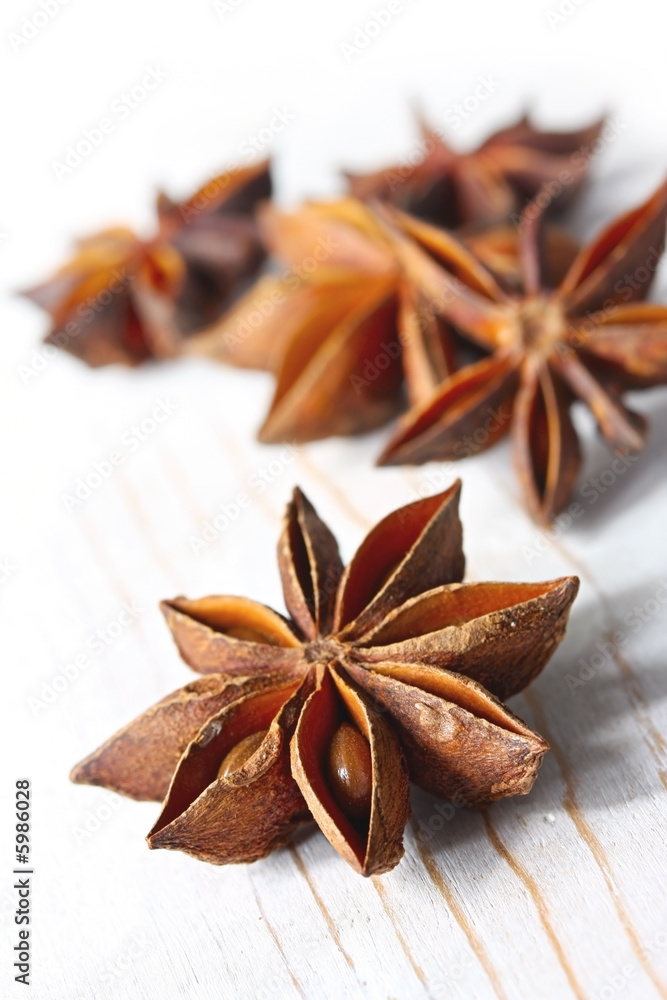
[(486, 184), (340, 328), (387, 670), (588, 339), (122, 299)]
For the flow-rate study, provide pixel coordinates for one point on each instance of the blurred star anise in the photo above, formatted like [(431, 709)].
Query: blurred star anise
[(486, 184), (340, 327), (387, 670), (588, 339), (122, 299)]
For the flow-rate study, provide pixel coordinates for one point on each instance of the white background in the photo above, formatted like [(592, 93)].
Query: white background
[(560, 894)]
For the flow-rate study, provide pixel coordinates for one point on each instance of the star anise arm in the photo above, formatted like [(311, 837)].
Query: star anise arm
[(632, 340), (414, 548), (97, 300), (426, 347), (157, 319), (323, 387), (341, 233), (524, 134), (370, 845), (234, 801), (310, 567), (619, 425), (468, 413), (254, 331), (610, 267), (459, 741), (231, 635), (482, 192), (234, 192), (529, 251), (499, 634), (545, 444), (141, 758), (464, 291)]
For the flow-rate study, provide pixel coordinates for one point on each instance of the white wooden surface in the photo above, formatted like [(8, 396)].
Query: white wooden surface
[(559, 894)]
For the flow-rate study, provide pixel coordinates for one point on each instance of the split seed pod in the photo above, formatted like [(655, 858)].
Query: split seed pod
[(387, 670), (124, 300), (591, 338)]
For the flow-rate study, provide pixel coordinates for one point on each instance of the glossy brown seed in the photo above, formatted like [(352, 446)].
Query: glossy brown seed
[(239, 754), (351, 772)]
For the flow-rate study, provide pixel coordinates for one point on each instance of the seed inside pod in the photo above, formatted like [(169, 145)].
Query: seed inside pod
[(351, 772), (239, 754)]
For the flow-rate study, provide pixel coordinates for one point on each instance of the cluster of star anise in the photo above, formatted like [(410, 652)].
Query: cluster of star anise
[(123, 299), (497, 323), (385, 671)]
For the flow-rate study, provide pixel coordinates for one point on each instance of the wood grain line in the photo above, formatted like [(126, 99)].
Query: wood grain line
[(92, 540), (382, 893), (543, 913), (333, 930), (174, 473), (591, 840), (476, 945), (304, 459), (651, 735), (237, 460), (653, 738), (147, 531), (276, 940)]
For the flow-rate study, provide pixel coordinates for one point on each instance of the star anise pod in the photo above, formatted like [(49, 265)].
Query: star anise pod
[(498, 248), (122, 299), (386, 670), (341, 328), (588, 339), (216, 233), (486, 184)]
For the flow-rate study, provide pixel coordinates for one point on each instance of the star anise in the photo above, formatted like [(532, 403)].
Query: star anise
[(122, 299), (588, 339), (486, 184), (386, 670), (341, 327)]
